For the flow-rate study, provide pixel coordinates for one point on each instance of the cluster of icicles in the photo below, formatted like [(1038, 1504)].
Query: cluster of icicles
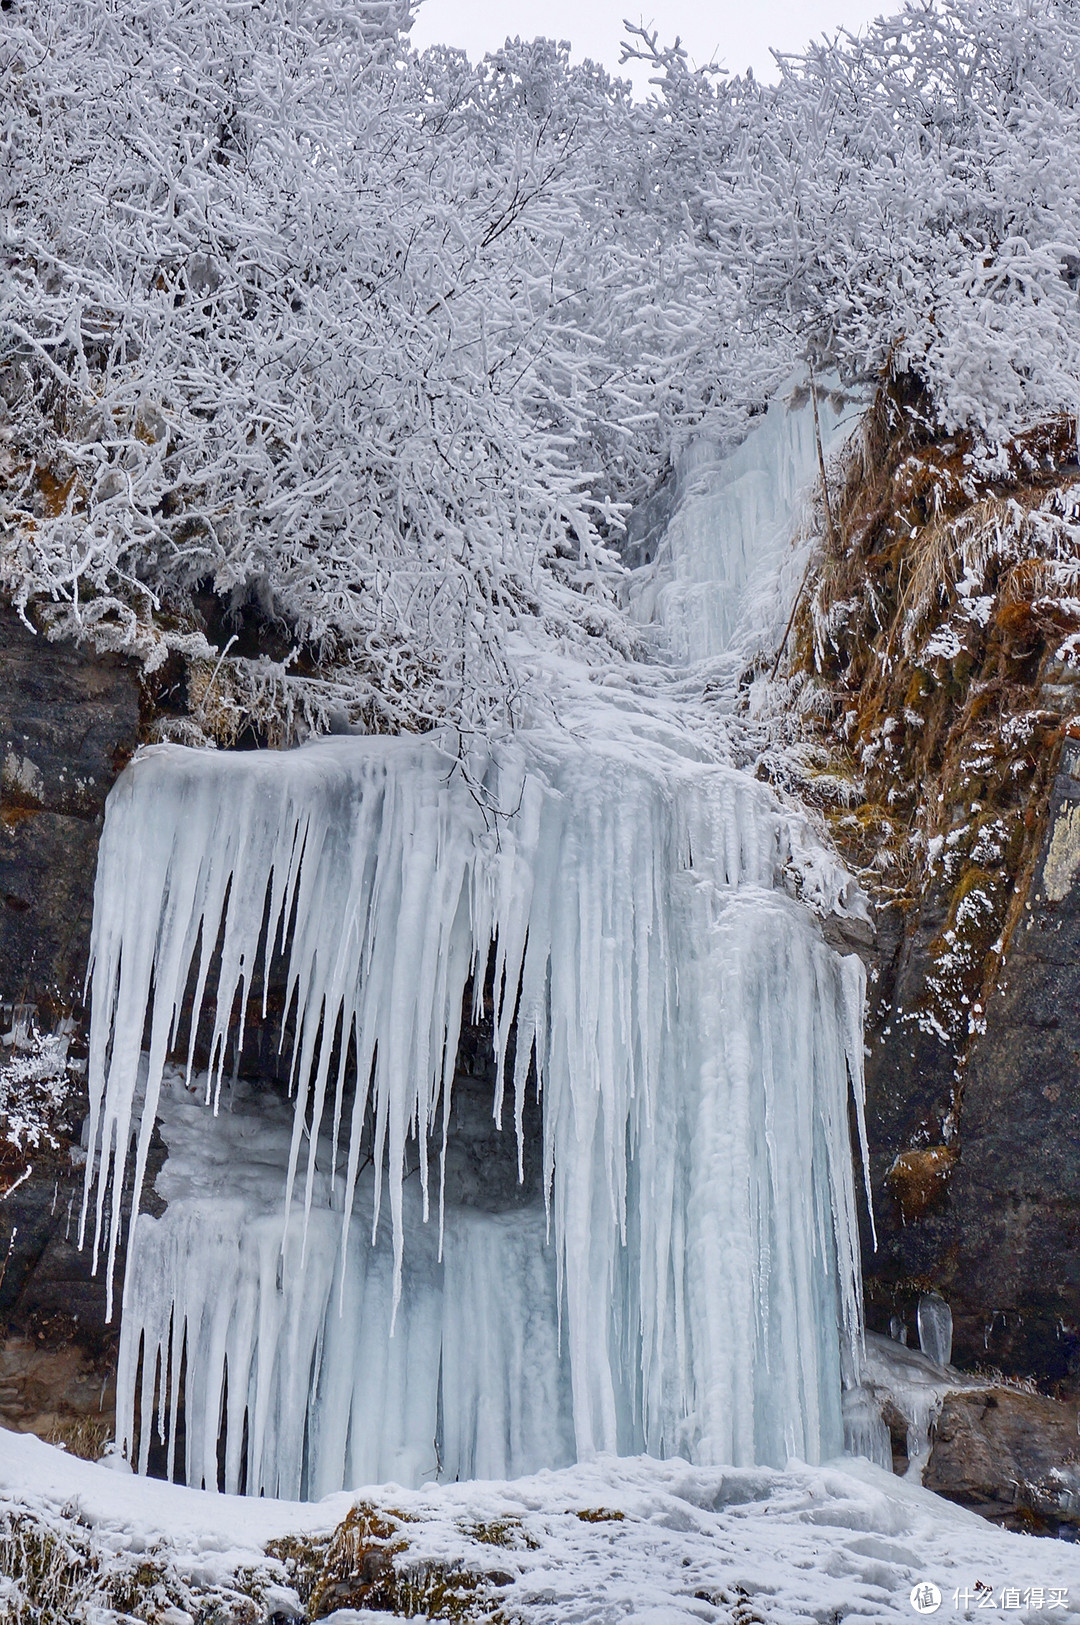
[(688, 1282)]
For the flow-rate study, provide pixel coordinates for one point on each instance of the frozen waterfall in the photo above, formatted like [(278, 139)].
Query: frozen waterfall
[(727, 548), (673, 1046), (689, 1034)]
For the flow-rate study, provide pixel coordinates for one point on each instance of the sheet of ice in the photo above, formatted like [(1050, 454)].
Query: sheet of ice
[(735, 521), (317, 1391), (915, 1385), (693, 1038), (716, 1546), (865, 1433)]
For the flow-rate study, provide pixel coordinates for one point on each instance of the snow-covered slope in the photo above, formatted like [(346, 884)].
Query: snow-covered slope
[(661, 1543)]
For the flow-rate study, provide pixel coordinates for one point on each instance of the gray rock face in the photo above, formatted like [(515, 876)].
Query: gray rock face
[(69, 722), (992, 1218), (1013, 1235)]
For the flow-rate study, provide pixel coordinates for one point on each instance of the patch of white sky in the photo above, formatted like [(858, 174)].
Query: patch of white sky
[(736, 34)]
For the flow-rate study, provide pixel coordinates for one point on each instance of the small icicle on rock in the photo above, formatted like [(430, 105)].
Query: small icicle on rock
[(693, 1287)]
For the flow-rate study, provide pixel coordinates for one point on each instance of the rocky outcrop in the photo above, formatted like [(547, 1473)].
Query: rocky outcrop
[(939, 656), (989, 1217), (1009, 1240), (1012, 1457), (1006, 1452), (49, 1386), (69, 721)]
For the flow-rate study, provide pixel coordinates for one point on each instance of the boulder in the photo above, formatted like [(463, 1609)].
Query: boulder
[(1012, 1456)]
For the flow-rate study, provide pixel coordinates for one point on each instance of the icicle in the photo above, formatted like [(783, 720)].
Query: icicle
[(692, 1038), (865, 1433), (934, 1320)]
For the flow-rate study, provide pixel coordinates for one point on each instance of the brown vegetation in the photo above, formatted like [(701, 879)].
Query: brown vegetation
[(927, 645)]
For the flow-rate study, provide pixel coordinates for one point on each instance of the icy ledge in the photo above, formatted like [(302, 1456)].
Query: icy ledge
[(711, 1545)]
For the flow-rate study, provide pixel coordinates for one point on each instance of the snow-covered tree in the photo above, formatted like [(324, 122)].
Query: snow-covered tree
[(385, 344)]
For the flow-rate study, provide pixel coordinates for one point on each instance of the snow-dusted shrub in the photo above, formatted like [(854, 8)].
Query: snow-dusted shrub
[(60, 1568), (908, 201), (294, 311), (34, 1089), (262, 327)]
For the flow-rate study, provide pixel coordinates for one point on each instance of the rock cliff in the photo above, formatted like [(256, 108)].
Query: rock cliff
[(937, 652), (69, 721)]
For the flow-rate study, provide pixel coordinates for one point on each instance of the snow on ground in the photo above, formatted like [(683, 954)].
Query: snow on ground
[(672, 1543)]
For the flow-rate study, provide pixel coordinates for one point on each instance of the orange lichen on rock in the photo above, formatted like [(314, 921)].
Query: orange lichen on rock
[(918, 1178)]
